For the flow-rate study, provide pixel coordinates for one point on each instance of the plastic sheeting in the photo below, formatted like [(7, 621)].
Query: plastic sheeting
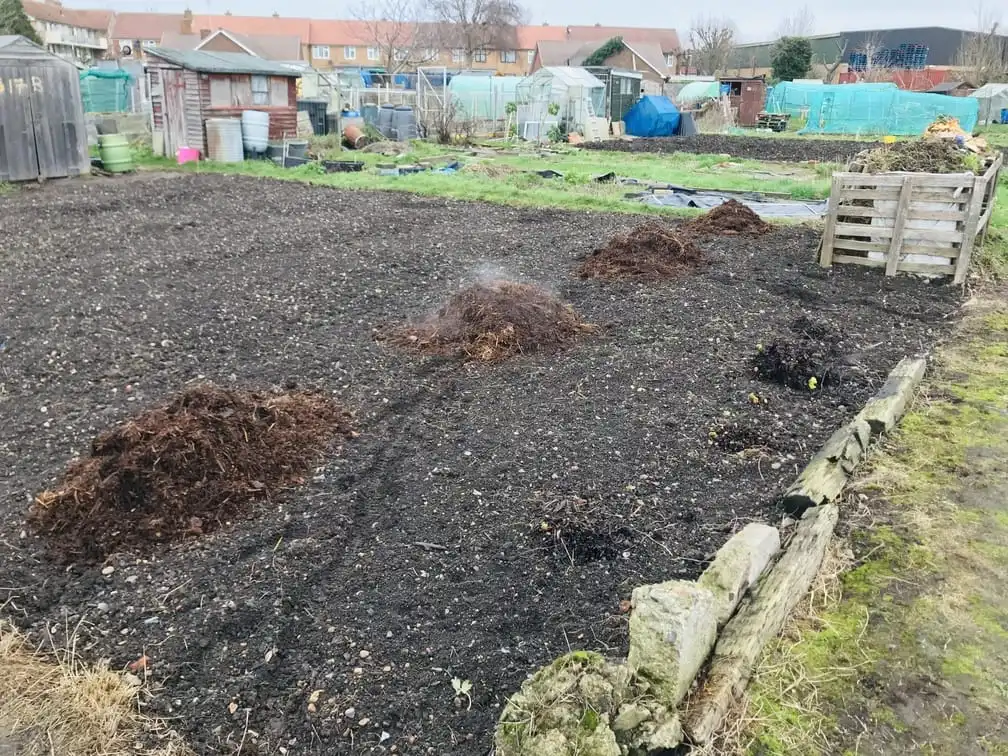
[(652, 116), (795, 98), (681, 197), (853, 109), (991, 98), (698, 91), (483, 97)]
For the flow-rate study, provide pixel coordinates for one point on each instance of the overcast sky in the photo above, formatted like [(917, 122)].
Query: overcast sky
[(755, 20)]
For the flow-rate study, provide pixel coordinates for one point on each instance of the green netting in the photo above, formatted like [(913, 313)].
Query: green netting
[(105, 91), (483, 97), (853, 109), (795, 98)]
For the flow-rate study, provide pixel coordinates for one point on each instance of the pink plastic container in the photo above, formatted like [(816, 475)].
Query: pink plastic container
[(187, 155)]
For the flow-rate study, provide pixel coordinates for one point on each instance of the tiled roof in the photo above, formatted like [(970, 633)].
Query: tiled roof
[(145, 25)]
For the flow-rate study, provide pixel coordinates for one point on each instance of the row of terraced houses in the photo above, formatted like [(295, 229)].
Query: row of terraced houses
[(88, 35)]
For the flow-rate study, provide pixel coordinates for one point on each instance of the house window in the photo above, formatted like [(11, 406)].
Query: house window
[(148, 43), (349, 53), (400, 54), (373, 53), (669, 59), (531, 57), (508, 56), (260, 90), (431, 54), (479, 56), (320, 51), (458, 56)]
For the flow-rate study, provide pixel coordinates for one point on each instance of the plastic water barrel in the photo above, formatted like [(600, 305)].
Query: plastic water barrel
[(404, 123), (224, 140), (370, 114), (255, 131), (1004, 115), (386, 116), (115, 153)]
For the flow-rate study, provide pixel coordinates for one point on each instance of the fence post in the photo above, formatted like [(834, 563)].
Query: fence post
[(826, 252), (970, 230), (902, 211)]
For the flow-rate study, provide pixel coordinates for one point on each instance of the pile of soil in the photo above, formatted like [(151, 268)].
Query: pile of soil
[(650, 252), (919, 156), (730, 219), (813, 351), (185, 468), (493, 321), (756, 148)]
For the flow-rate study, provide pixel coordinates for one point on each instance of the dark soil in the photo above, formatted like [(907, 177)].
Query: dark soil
[(492, 321), (810, 358), (650, 252), (729, 219), (419, 553), (757, 148), (185, 468)]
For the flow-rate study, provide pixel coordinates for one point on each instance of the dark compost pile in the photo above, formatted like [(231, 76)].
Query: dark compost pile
[(493, 321), (650, 252), (919, 156), (185, 467), (809, 358), (729, 219)]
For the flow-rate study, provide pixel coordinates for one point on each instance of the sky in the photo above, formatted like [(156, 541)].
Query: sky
[(755, 21)]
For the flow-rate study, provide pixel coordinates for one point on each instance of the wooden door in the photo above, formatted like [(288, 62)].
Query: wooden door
[(56, 113), (174, 87)]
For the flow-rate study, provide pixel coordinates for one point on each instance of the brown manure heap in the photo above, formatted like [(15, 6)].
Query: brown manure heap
[(729, 219), (493, 321), (186, 467), (650, 252)]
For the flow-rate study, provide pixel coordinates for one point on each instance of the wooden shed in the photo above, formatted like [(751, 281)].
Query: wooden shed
[(747, 96), (189, 86), (42, 132)]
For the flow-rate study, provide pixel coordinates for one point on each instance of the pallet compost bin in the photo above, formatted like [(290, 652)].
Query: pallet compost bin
[(924, 223)]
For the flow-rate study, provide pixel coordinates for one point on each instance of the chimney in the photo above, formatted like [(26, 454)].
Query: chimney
[(204, 33), (187, 22)]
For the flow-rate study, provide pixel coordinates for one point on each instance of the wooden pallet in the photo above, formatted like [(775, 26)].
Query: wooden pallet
[(925, 223)]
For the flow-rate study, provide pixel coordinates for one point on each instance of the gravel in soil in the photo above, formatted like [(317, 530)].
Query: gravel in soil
[(488, 517), (650, 252), (756, 148)]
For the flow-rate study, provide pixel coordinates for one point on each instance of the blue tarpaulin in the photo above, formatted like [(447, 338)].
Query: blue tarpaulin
[(652, 116)]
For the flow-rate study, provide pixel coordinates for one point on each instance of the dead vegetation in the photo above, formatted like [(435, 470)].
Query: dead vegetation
[(492, 321), (185, 468), (919, 156), (54, 704), (729, 219), (650, 252)]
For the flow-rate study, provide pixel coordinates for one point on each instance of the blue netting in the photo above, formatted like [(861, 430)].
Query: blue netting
[(796, 98), (862, 111)]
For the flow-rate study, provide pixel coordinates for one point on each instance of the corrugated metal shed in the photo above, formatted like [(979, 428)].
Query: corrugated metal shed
[(206, 61), (42, 131)]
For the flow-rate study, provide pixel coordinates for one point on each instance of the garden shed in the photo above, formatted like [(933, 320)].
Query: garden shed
[(992, 99), (558, 97), (189, 86), (42, 133)]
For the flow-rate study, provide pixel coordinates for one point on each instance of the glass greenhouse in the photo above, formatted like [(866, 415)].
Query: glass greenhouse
[(557, 97)]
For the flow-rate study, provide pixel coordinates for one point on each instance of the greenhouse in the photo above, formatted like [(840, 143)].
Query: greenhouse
[(795, 98), (993, 103), (106, 91), (857, 110), (483, 98), (558, 99)]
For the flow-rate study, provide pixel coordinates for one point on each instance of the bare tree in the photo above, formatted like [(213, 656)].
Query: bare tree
[(712, 42), (800, 24), (832, 68), (983, 55), (876, 67), (396, 28), (473, 26)]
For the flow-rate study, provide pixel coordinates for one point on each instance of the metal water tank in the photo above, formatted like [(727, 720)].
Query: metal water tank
[(255, 131), (224, 140), (386, 116)]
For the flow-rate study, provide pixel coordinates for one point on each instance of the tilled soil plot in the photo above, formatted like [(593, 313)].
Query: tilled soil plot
[(487, 518), (756, 148)]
